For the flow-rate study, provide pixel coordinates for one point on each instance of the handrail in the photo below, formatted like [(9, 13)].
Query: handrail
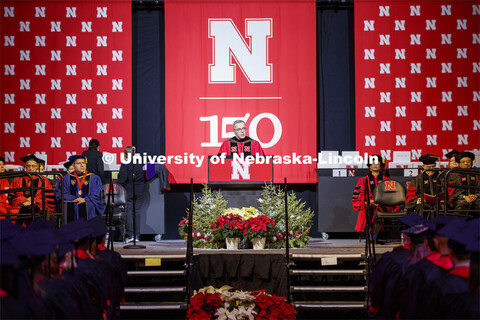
[(287, 244), (189, 253)]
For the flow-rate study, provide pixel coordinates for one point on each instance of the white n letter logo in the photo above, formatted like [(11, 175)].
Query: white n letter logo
[(240, 168), (228, 44)]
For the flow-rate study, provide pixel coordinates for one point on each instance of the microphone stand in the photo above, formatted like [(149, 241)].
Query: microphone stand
[(134, 211)]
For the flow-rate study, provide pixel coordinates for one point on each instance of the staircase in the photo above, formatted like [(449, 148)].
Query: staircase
[(328, 285), (156, 287)]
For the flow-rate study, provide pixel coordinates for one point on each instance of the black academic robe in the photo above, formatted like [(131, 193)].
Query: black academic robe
[(59, 300), (443, 293), (416, 284), (13, 308), (383, 281), (425, 183)]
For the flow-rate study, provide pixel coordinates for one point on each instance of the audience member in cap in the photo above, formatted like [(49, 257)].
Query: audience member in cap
[(82, 192), (386, 274), (23, 200), (94, 159), (424, 183), (101, 274), (11, 306), (445, 288), (467, 199), (112, 259), (4, 185), (415, 286), (374, 176)]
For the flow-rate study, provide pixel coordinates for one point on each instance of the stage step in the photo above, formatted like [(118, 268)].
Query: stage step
[(153, 306), (151, 273), (308, 256), (154, 289), (328, 285), (330, 305), (171, 257), (327, 272), (329, 289)]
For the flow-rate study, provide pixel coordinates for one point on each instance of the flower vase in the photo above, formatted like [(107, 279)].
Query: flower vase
[(258, 243), (232, 243)]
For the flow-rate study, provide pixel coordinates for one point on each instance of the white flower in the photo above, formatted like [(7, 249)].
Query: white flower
[(250, 313), (221, 314)]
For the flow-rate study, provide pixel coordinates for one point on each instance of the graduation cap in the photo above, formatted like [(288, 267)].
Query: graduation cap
[(428, 158), (75, 157), (76, 230), (451, 154), (2, 159), (464, 154), (39, 224), (417, 233), (98, 226), (64, 244), (473, 245), (67, 164), (439, 222), (30, 157), (35, 243), (453, 229), (412, 219), (9, 230), (8, 255), (376, 159)]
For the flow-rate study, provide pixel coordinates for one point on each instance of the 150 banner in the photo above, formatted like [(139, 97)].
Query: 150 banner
[(250, 60)]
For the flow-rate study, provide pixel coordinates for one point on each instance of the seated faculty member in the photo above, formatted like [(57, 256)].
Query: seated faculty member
[(82, 192), (425, 183), (23, 200)]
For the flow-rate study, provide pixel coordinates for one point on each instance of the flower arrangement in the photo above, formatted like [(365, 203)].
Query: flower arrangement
[(259, 227), (222, 304), (300, 219), (207, 208), (200, 239), (211, 206), (228, 226)]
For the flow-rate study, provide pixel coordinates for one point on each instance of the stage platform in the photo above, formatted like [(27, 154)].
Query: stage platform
[(316, 246), (327, 279)]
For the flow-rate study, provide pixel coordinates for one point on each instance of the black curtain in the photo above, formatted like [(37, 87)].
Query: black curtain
[(148, 72)]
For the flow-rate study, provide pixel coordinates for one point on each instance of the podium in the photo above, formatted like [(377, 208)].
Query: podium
[(232, 171)]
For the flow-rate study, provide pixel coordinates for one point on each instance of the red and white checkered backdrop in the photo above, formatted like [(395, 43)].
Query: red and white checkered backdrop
[(66, 77), (417, 74)]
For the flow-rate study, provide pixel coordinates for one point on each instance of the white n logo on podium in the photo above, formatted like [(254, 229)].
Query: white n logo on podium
[(228, 44), (240, 168)]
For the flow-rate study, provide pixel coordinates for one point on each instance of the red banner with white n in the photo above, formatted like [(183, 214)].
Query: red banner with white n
[(66, 77), (417, 74), (229, 60)]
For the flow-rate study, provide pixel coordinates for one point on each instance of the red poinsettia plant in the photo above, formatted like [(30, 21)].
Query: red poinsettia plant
[(259, 227), (228, 226), (223, 304)]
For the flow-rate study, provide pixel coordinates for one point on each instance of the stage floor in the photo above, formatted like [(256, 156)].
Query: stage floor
[(316, 246)]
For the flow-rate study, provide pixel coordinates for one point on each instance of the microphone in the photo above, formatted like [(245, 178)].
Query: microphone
[(133, 150)]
